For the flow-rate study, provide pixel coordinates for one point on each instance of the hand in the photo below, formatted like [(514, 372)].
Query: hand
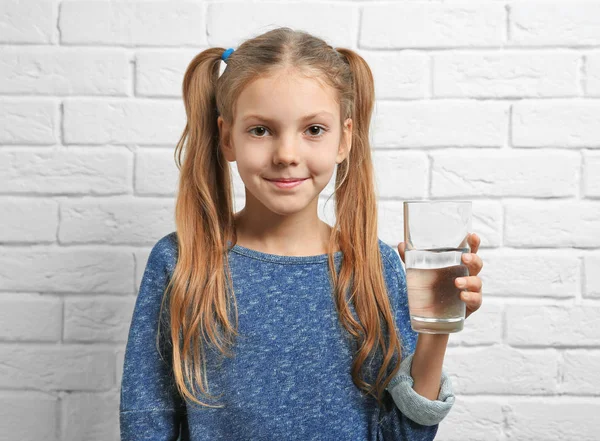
[(473, 296)]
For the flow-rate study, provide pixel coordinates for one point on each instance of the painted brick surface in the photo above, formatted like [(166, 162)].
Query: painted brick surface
[(497, 102)]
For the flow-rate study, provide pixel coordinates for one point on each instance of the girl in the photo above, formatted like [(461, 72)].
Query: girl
[(268, 324)]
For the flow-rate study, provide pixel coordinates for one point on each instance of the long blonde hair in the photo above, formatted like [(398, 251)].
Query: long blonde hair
[(200, 290)]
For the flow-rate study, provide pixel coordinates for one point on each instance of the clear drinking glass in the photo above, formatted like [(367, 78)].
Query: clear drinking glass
[(435, 234)]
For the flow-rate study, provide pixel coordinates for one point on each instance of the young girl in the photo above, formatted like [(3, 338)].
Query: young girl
[(268, 324)]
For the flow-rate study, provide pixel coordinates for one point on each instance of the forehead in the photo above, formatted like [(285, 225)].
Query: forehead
[(286, 95)]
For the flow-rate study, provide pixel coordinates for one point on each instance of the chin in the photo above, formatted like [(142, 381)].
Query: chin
[(286, 206)]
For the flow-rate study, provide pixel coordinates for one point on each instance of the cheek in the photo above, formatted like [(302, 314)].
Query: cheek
[(321, 168), (251, 160), (322, 162)]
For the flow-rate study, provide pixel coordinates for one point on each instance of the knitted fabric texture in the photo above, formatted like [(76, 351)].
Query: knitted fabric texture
[(290, 378)]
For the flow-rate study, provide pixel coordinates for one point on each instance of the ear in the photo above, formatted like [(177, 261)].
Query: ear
[(225, 140), (346, 141)]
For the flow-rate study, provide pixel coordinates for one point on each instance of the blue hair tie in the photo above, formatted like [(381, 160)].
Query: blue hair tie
[(226, 54)]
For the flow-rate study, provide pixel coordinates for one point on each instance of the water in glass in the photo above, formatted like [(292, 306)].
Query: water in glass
[(434, 300)]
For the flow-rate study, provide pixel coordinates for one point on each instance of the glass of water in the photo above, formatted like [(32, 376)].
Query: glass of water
[(435, 234)]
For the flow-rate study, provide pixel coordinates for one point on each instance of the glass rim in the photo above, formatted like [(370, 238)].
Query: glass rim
[(447, 201)]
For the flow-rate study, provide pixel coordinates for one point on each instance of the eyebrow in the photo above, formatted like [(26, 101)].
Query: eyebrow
[(304, 118)]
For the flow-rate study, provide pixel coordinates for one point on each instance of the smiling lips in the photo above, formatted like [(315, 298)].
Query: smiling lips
[(287, 183)]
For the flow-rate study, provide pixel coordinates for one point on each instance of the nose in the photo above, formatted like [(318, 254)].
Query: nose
[(286, 150)]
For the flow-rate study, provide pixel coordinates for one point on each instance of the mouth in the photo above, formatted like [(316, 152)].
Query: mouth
[(286, 179), (286, 183)]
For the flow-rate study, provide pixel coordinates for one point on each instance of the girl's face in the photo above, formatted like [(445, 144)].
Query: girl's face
[(286, 126)]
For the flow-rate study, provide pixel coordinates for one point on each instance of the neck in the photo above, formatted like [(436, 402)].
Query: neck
[(287, 236)]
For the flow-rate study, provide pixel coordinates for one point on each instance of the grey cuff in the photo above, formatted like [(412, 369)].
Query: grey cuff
[(416, 407)]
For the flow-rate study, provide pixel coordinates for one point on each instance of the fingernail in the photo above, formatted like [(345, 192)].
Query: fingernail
[(466, 296), (461, 283), (467, 257)]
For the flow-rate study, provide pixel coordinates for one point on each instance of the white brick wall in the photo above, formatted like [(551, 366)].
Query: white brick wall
[(494, 101)]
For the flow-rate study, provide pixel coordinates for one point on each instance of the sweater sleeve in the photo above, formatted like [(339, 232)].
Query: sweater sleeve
[(150, 405), (415, 416)]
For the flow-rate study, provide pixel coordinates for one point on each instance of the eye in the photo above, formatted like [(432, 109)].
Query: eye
[(258, 127), (323, 129), (262, 129)]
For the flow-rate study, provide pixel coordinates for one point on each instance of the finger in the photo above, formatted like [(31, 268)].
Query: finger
[(470, 283), (474, 241), (472, 299), (473, 263), (401, 247)]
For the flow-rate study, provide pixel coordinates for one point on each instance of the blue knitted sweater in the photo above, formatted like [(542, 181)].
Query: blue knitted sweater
[(290, 378)]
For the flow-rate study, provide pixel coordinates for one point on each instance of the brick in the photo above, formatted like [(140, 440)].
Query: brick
[(132, 23), (160, 72), (553, 420), (556, 123), (21, 220), (28, 121), (592, 276), (440, 124), (530, 273), (469, 420), (487, 222), (484, 327), (573, 23), (91, 416), (506, 172), (53, 368), (553, 325), (66, 269), (531, 372), (400, 25), (30, 317), (591, 173), (579, 373), (21, 406), (400, 174), (63, 71), (227, 22), (98, 319), (505, 74), (123, 121), (115, 220), (156, 172), (66, 171), (553, 223), (33, 21), (593, 74), (398, 74)]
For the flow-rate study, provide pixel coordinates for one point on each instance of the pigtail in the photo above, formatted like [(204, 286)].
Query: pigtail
[(199, 297), (356, 220)]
